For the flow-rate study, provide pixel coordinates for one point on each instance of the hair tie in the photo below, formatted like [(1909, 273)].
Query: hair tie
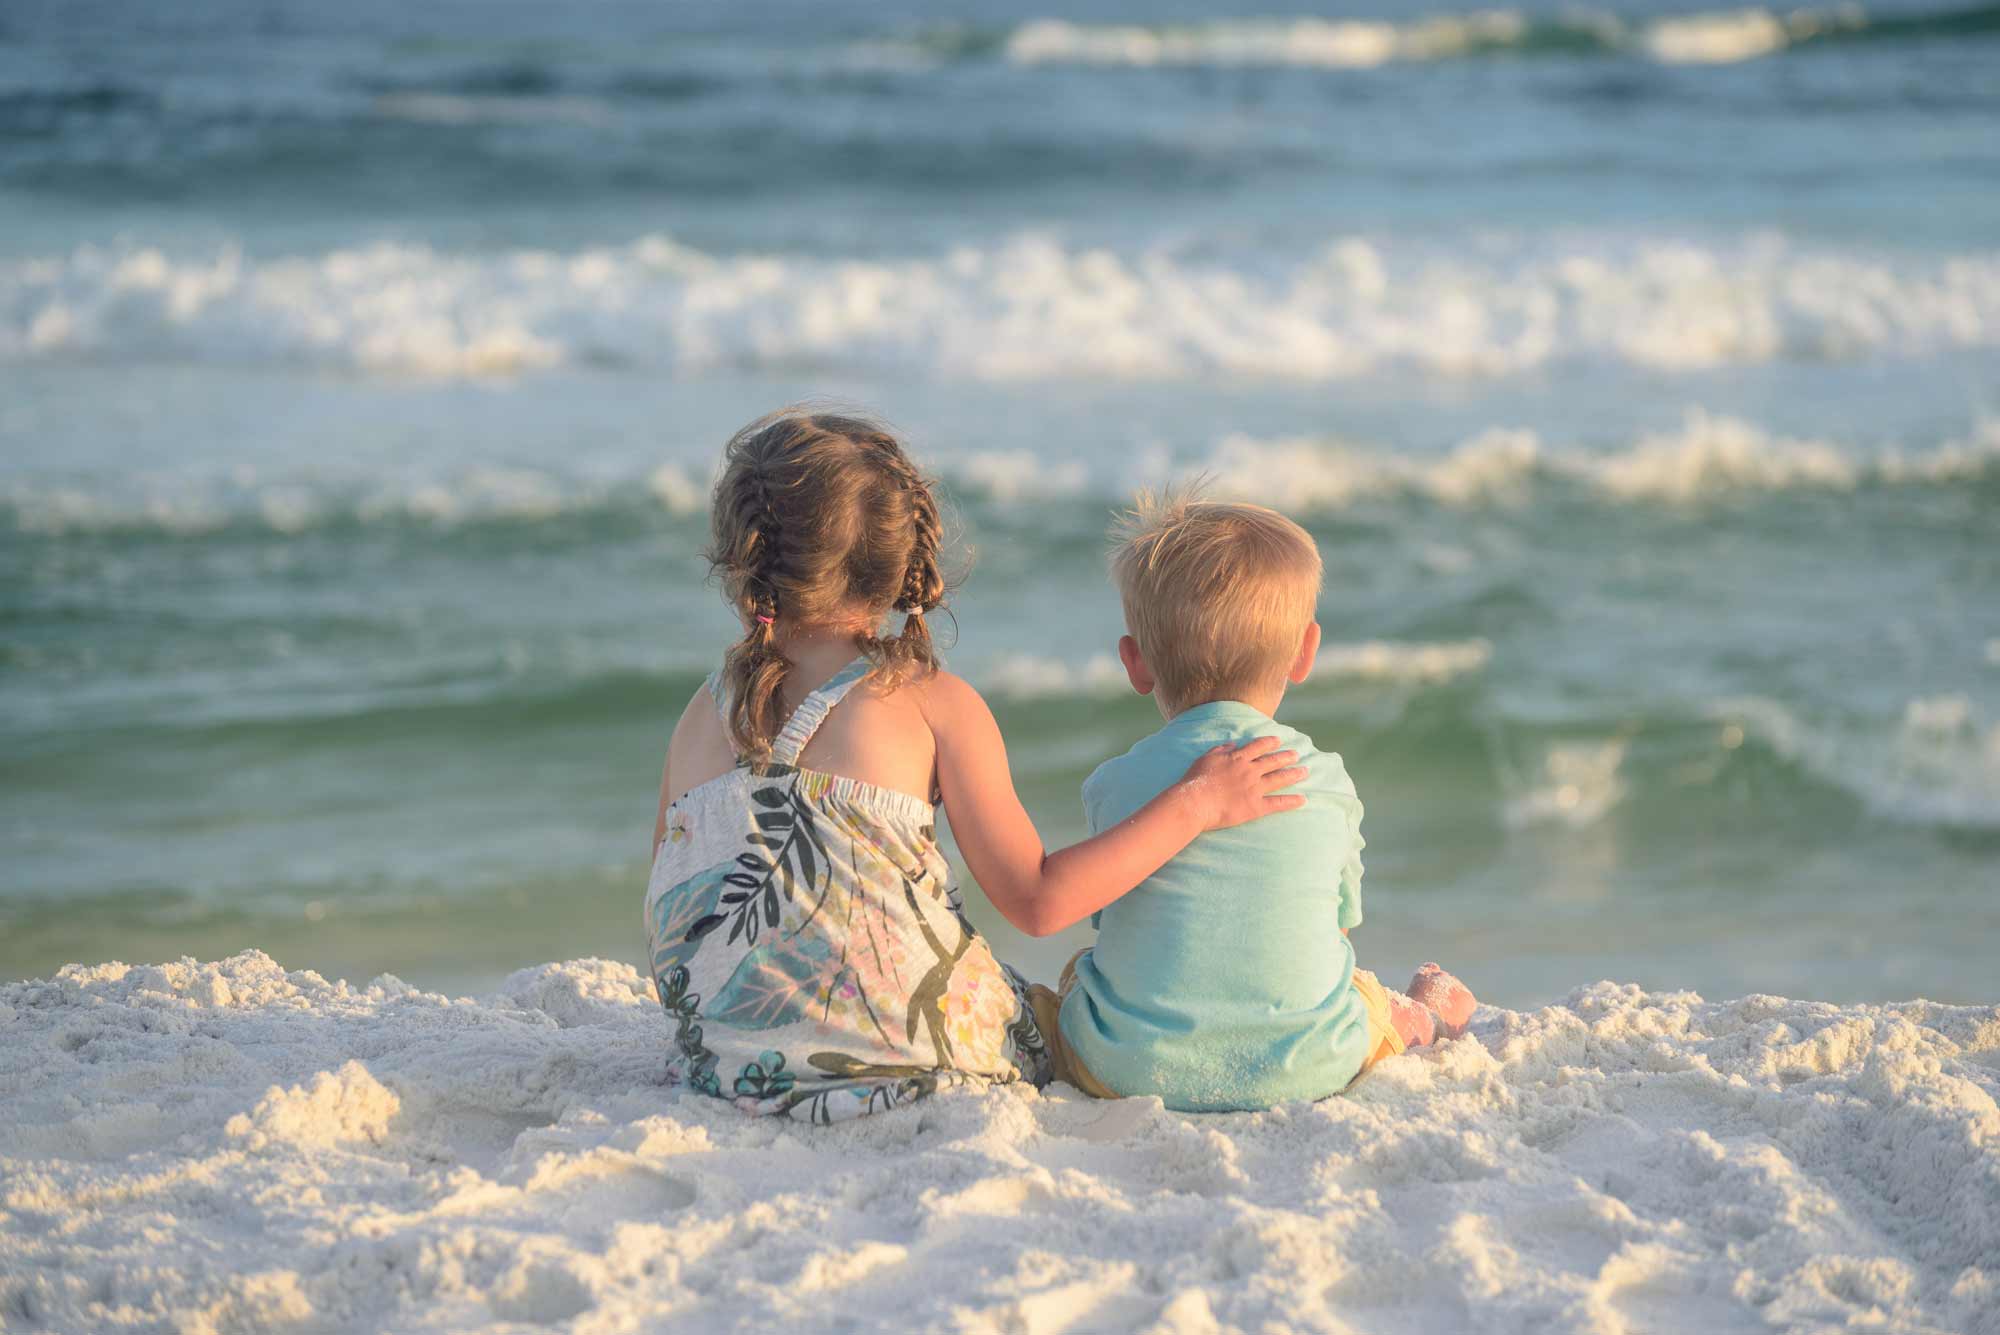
[(763, 620)]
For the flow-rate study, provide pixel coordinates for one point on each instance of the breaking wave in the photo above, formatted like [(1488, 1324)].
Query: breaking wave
[(1420, 663), (1708, 458), (484, 496), (1716, 38), (1029, 308), (1939, 765)]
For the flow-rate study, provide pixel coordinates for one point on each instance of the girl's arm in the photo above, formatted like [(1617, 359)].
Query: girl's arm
[(1041, 892), (660, 820), (694, 759)]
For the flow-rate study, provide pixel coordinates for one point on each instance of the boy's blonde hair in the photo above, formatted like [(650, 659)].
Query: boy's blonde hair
[(1218, 595)]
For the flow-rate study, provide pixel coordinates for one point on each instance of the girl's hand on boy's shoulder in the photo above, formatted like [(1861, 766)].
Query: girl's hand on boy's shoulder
[(1233, 785)]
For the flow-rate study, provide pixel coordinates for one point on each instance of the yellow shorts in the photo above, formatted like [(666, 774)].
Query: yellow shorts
[(1383, 1040), (1064, 1063)]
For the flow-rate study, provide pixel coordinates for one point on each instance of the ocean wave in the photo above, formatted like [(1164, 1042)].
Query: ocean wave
[(439, 108), (1417, 663), (186, 508), (1709, 457), (1715, 38), (1026, 309), (1458, 720), (1037, 677), (1576, 785), (1424, 662), (1938, 765), (1323, 43)]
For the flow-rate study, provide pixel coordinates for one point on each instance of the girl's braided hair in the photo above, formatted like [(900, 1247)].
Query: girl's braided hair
[(817, 515)]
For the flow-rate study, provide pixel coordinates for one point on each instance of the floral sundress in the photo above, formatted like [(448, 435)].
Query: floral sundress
[(809, 947)]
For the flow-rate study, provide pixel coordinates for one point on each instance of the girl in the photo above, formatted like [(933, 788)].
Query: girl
[(805, 939)]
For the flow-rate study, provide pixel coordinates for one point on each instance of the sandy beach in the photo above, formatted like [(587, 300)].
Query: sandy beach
[(365, 369), (222, 1147)]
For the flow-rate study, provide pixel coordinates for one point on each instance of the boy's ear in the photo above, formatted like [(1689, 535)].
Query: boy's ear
[(1302, 666), (1136, 670)]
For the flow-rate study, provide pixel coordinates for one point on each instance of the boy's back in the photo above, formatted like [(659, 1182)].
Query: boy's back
[(1223, 981)]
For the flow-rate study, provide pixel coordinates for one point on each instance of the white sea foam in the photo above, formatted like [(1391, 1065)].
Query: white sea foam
[(1029, 676), (1726, 37), (1720, 37), (1303, 473), (188, 507), (211, 1147), (1939, 764), (1035, 676), (1576, 784), (1384, 660), (1018, 475), (1027, 308), (1709, 456), (1325, 43), (1716, 39)]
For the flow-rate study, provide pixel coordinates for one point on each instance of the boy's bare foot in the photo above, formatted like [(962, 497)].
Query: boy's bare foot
[(1413, 1022), (1450, 1000)]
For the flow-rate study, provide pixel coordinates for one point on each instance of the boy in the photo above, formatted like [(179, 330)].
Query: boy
[(1225, 980)]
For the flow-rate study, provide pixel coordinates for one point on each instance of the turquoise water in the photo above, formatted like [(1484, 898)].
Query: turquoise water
[(1634, 368)]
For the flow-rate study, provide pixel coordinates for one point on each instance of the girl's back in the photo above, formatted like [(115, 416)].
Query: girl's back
[(877, 736)]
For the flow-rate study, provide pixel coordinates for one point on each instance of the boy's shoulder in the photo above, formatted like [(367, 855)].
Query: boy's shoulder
[(1157, 759), (1138, 759), (1096, 783)]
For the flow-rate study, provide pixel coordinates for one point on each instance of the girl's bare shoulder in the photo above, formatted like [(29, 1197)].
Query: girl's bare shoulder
[(879, 735), (699, 749), (941, 695), (899, 706), (698, 716)]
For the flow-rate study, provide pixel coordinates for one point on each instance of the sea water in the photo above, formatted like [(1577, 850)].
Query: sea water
[(363, 369)]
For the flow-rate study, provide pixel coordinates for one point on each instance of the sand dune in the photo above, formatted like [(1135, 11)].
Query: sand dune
[(231, 1147)]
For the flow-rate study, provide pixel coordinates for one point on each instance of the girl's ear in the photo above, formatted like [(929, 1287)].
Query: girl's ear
[(1136, 670), (1302, 666)]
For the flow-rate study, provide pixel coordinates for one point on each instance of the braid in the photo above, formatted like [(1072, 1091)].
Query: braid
[(760, 555), (923, 586), (755, 666)]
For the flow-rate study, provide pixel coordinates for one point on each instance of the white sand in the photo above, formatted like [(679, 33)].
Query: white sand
[(229, 1147)]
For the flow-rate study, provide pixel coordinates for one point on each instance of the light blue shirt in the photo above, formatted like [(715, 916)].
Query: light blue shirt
[(1223, 981)]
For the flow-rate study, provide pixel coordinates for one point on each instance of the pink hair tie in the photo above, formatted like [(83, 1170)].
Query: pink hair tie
[(764, 620)]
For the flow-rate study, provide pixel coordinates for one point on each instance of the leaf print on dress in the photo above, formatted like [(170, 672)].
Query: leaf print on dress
[(927, 997), (979, 1006), (789, 856), (881, 958), (695, 1064), (765, 1078), (781, 982), (681, 918)]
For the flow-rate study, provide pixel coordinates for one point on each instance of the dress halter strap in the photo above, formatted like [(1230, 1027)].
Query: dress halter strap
[(791, 741)]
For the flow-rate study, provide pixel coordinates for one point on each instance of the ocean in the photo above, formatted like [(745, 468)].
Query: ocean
[(363, 369)]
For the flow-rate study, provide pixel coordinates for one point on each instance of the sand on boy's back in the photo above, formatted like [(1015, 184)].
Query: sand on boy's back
[(228, 1146)]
